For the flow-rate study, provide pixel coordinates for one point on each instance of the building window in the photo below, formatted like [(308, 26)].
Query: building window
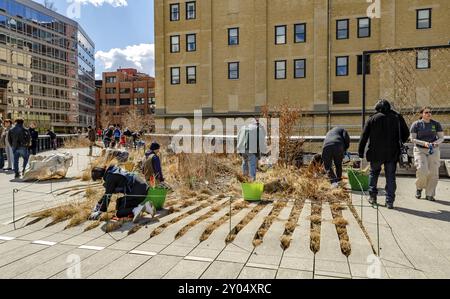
[(360, 65), (111, 102), (190, 10), (341, 97), (233, 36), (300, 33), (175, 44), (423, 18), (363, 27), (342, 66), (191, 75), (280, 69), (139, 90), (139, 101), (342, 29), (111, 79), (125, 90), (175, 12), (233, 70), (110, 90), (423, 59), (300, 68), (175, 75), (125, 102), (191, 44), (280, 35)]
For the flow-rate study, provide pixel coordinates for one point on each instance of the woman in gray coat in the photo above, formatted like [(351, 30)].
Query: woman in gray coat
[(7, 123)]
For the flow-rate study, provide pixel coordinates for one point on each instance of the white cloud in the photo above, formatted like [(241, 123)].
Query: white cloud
[(140, 57), (114, 3)]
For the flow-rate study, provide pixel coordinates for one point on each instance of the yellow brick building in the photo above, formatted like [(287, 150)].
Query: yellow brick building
[(229, 58)]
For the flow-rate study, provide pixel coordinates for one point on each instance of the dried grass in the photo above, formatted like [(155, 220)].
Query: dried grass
[(268, 221), (249, 217)]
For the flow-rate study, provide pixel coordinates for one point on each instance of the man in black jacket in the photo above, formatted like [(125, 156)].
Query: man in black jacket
[(53, 139), (336, 144), (34, 139), (20, 140), (384, 131), (118, 181)]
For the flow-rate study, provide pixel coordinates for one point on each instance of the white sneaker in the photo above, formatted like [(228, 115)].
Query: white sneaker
[(137, 212), (150, 209)]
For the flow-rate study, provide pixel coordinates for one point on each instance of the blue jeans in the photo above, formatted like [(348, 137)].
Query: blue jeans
[(2, 158), (249, 164), (20, 152), (390, 169)]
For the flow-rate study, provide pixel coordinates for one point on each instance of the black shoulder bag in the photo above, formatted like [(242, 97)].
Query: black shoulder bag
[(404, 159)]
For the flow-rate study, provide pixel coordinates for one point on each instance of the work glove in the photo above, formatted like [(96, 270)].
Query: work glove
[(95, 215)]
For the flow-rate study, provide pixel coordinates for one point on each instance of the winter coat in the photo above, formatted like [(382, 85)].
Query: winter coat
[(19, 137), (91, 135), (252, 140), (337, 137), (382, 133), (2, 137)]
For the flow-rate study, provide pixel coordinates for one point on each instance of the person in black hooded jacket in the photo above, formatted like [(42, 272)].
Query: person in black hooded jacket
[(383, 131)]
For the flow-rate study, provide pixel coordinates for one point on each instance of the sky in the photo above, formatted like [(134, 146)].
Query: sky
[(122, 31)]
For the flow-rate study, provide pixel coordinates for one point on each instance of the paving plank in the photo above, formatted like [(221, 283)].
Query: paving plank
[(93, 263), (330, 260), (31, 261), (155, 268), (293, 274), (242, 247), (187, 270), (222, 270), (56, 265), (121, 267), (19, 253), (299, 255), (270, 251), (257, 273)]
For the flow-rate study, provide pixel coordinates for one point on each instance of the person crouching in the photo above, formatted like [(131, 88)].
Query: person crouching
[(118, 181)]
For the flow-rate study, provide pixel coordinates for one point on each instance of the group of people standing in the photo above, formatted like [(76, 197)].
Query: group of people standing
[(17, 141), (385, 133), (113, 137)]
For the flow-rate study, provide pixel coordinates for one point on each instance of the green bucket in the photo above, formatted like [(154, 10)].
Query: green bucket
[(157, 197), (252, 191), (358, 180)]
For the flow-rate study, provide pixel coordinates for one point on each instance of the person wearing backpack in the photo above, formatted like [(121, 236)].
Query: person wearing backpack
[(152, 165), (20, 140)]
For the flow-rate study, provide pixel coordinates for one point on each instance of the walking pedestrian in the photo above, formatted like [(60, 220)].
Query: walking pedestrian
[(117, 134), (34, 139), (53, 138), (385, 131), (7, 124), (92, 139), (335, 146), (427, 136), (20, 140)]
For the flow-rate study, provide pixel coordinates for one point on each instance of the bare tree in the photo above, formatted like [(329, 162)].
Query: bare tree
[(135, 120)]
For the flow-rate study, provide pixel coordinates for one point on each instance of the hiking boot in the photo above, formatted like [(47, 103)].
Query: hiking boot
[(17, 176), (137, 212), (390, 205), (431, 198), (419, 194), (373, 200)]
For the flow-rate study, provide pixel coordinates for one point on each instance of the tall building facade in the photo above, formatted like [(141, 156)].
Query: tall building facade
[(230, 58), (47, 68), (121, 92)]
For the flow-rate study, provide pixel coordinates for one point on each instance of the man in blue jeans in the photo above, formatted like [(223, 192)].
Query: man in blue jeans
[(384, 131), (20, 140), (252, 144)]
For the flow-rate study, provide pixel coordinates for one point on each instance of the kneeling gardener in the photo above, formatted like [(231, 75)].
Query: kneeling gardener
[(118, 181)]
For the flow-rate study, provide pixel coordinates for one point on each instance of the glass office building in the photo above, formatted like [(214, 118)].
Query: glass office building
[(47, 68)]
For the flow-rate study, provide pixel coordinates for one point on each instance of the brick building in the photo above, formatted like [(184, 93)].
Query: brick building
[(122, 92)]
